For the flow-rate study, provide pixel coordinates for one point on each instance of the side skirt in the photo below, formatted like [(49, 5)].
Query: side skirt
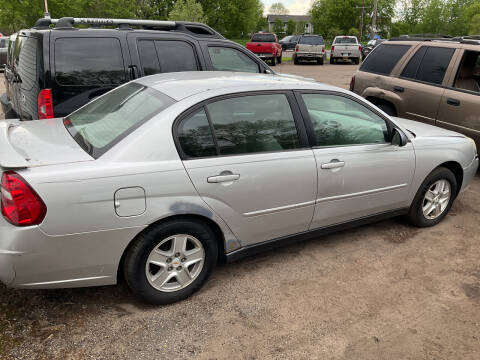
[(310, 234)]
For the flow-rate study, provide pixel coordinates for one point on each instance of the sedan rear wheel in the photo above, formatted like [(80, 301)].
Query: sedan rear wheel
[(170, 261), (434, 198)]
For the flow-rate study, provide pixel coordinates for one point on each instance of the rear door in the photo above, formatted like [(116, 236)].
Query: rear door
[(421, 82), (360, 171), (255, 170), (162, 53), (85, 64)]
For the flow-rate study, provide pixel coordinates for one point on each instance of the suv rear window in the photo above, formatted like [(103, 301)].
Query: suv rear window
[(345, 40), (311, 40), (3, 42), (429, 64), (263, 38), (383, 58), (100, 124), (89, 61)]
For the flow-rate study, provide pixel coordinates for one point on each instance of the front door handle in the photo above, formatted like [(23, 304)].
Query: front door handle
[(334, 164), (454, 102), (398, 89), (223, 178)]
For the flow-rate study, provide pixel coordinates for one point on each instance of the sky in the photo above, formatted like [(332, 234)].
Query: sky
[(295, 7)]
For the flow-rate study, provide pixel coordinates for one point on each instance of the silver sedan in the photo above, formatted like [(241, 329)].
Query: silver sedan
[(161, 177)]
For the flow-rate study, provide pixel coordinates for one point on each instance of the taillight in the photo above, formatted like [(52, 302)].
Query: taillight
[(21, 205), (296, 48), (45, 104), (352, 83), (360, 48), (332, 49)]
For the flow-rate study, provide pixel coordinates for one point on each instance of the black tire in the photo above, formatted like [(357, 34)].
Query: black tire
[(332, 60), (356, 61), (320, 61), (295, 60), (415, 214), (279, 59), (389, 109), (138, 251), (274, 61)]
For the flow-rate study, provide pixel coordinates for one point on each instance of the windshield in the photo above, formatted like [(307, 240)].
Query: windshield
[(100, 124), (346, 40), (263, 38), (311, 40)]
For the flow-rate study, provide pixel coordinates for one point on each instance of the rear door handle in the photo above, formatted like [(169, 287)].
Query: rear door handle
[(333, 165), (454, 102), (398, 89), (223, 178)]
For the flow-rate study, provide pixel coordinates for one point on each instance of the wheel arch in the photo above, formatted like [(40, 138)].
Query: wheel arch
[(457, 170), (216, 229), (377, 101)]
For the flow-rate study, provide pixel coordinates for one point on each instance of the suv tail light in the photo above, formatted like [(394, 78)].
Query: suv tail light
[(21, 205), (332, 49), (360, 48), (296, 48), (352, 83), (45, 104)]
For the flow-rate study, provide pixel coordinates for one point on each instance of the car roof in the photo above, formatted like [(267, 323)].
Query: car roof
[(181, 85)]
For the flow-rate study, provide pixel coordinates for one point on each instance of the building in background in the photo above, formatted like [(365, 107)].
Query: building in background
[(298, 19)]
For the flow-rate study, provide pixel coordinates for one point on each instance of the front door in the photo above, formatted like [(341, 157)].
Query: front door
[(255, 170), (360, 172)]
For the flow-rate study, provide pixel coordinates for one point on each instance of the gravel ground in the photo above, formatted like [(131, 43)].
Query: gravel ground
[(383, 291)]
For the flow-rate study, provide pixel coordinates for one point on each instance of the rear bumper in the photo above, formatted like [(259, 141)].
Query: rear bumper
[(29, 258), (345, 56), (301, 55), (265, 56)]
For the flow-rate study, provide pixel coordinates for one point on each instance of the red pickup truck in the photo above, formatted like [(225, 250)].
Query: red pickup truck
[(266, 47)]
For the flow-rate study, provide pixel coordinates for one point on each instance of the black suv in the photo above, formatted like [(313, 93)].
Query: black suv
[(56, 70)]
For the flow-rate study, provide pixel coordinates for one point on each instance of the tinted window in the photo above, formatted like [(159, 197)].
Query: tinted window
[(89, 61), (383, 58), (468, 74), (176, 56), (101, 123), (251, 124), (411, 69), (311, 40), (195, 135), (345, 40), (148, 57), (434, 65), (27, 63), (228, 59), (337, 121), (263, 38)]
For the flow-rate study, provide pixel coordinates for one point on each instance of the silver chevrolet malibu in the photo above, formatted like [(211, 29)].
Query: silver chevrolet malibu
[(162, 177)]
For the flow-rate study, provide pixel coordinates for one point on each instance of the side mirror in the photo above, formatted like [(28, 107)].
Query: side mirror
[(399, 138)]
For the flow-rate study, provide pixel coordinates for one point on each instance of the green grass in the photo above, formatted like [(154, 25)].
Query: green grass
[(240, 41)]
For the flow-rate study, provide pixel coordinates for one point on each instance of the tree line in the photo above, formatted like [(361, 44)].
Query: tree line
[(239, 18)]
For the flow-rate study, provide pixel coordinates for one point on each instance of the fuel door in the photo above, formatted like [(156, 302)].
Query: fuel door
[(130, 201)]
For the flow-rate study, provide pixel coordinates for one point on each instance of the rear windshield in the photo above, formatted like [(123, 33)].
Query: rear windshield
[(263, 38), (345, 40), (99, 125), (311, 40), (383, 58)]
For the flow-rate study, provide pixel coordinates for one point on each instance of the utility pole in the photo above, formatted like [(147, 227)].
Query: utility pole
[(374, 20), (46, 14), (363, 7)]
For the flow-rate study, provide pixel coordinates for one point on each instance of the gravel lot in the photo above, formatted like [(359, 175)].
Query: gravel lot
[(384, 291)]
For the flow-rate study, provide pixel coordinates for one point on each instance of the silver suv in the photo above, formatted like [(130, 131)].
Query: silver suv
[(160, 177)]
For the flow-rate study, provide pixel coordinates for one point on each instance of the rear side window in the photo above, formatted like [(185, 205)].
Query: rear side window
[(103, 122), (89, 61), (27, 62), (311, 40), (195, 135), (263, 38), (383, 58), (166, 56), (429, 64), (229, 59)]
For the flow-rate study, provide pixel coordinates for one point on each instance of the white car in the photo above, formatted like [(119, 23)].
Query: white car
[(345, 48)]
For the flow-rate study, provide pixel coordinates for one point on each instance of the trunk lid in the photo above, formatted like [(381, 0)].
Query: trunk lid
[(37, 143), (260, 48)]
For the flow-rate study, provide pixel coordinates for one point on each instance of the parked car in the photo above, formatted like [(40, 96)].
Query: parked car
[(9, 95), (289, 42), (167, 173), (370, 46), (310, 47), (266, 47), (435, 82), (3, 51), (345, 48), (56, 70)]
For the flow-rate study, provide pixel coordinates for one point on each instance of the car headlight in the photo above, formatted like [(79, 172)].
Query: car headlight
[(473, 145)]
